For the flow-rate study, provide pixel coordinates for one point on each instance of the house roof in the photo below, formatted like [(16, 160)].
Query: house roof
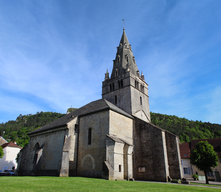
[(216, 143), (185, 148), (11, 144), (2, 140), (95, 106)]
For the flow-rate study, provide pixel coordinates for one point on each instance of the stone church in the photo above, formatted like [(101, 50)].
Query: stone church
[(110, 138)]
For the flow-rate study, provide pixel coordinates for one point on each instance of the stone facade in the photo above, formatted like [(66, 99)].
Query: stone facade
[(173, 153), (111, 138), (150, 156), (156, 153), (43, 154), (92, 155)]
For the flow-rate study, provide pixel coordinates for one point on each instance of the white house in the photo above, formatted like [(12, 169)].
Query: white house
[(10, 153), (185, 160)]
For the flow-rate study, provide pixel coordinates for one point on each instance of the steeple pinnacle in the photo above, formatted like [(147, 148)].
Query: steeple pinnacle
[(124, 39), (124, 60)]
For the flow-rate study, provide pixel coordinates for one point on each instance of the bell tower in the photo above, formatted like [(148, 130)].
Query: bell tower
[(126, 87)]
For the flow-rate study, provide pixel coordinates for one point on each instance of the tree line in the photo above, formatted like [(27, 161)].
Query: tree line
[(186, 130), (18, 130)]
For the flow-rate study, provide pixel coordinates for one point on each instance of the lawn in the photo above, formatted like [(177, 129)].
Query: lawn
[(42, 184)]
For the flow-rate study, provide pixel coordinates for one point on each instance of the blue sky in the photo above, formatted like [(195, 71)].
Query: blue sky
[(54, 53)]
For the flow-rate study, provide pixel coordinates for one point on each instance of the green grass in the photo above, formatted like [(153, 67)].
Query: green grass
[(43, 184)]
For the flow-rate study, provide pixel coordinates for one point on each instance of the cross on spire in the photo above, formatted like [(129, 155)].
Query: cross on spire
[(123, 24)]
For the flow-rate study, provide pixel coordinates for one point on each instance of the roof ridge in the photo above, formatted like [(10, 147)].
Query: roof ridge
[(117, 109), (10, 144)]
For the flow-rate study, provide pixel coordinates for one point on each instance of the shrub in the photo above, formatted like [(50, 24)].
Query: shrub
[(195, 176)]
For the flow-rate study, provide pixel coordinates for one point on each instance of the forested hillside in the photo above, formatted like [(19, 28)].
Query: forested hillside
[(17, 130), (186, 129)]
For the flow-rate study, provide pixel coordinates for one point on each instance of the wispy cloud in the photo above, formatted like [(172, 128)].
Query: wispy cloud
[(56, 53)]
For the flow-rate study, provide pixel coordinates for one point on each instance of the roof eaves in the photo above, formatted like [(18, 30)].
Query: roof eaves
[(163, 129), (40, 131)]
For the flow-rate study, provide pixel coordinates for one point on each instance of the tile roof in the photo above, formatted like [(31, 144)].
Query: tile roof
[(2, 140), (216, 143), (95, 106), (10, 144), (185, 148)]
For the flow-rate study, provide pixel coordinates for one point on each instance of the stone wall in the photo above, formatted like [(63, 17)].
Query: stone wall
[(139, 108), (91, 156), (121, 126), (123, 94), (174, 160), (49, 146), (128, 96), (72, 146), (149, 152)]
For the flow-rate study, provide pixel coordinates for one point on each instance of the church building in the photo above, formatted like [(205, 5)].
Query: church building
[(110, 138)]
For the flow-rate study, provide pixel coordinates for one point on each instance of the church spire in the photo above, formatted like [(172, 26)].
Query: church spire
[(124, 39), (124, 60), (126, 88)]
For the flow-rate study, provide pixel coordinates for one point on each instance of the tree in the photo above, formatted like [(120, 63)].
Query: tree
[(204, 157), (17, 157), (1, 152)]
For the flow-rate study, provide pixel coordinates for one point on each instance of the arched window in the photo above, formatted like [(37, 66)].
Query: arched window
[(115, 99), (76, 128), (116, 73), (118, 58), (126, 57), (89, 136), (142, 88), (121, 82), (113, 86), (136, 84), (36, 147), (37, 155), (140, 100), (110, 87)]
